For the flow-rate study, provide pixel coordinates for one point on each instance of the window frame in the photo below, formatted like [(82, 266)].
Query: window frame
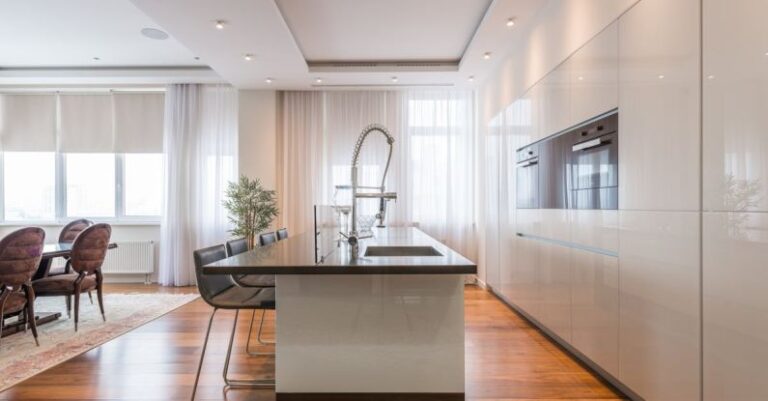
[(60, 197)]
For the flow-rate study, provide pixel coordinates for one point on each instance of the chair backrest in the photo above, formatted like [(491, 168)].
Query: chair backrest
[(90, 248), (237, 246), (20, 253), (267, 238), (210, 285), (72, 229), (282, 234)]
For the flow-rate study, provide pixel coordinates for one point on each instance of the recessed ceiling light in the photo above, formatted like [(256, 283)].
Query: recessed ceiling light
[(268, 80), (661, 76), (510, 22), (318, 80), (96, 58), (220, 24), (766, 53), (710, 77), (471, 78), (153, 33), (580, 78), (487, 55), (248, 56), (394, 79)]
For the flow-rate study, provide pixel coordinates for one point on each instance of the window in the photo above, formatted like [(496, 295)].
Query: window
[(30, 185), (90, 182), (143, 184)]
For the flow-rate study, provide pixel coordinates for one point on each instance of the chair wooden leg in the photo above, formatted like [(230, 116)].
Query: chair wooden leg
[(202, 354), (90, 297), (69, 305), (77, 305), (99, 293), (3, 297), (31, 312)]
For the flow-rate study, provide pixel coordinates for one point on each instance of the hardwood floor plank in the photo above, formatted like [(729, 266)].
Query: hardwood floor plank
[(506, 358)]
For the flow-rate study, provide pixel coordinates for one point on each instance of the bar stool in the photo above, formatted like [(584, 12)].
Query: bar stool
[(267, 238), (236, 247), (219, 292), (20, 253)]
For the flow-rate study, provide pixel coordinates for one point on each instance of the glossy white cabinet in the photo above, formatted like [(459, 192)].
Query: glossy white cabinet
[(595, 307), (735, 96), (594, 76), (659, 106), (554, 281), (735, 306), (659, 283), (598, 229), (555, 90), (491, 200), (524, 284)]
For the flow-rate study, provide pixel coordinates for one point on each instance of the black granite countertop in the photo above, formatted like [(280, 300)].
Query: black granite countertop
[(296, 255)]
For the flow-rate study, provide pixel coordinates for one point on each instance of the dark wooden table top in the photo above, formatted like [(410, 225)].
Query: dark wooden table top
[(296, 255)]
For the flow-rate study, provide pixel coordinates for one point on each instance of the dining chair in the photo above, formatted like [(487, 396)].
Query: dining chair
[(20, 253), (236, 247), (282, 234), (267, 238), (67, 235), (88, 252), (220, 292)]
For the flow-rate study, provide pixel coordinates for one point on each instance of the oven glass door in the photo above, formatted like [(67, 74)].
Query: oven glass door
[(593, 177), (528, 184)]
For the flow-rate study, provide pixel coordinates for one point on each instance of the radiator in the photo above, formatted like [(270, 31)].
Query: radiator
[(130, 257)]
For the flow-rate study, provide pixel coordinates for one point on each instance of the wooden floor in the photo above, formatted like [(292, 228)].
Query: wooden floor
[(506, 360)]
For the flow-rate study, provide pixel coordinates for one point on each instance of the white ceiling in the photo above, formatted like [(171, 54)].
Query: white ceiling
[(46, 33), (383, 30), (282, 35)]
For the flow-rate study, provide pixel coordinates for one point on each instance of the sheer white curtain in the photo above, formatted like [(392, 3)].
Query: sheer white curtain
[(432, 167), (200, 147)]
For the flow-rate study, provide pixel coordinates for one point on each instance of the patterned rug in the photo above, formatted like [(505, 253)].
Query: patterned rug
[(20, 358)]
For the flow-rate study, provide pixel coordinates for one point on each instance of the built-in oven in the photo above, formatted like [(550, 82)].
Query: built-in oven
[(527, 193), (592, 165)]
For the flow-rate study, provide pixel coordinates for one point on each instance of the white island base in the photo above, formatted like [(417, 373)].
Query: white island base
[(370, 337)]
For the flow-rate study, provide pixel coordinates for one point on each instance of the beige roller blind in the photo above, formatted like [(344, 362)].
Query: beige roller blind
[(85, 123), (28, 122), (139, 122)]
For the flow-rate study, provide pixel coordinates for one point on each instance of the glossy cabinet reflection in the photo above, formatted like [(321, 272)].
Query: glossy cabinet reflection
[(659, 106), (735, 97), (594, 76), (735, 232)]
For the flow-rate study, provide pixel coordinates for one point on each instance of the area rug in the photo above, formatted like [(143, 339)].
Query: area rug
[(20, 358)]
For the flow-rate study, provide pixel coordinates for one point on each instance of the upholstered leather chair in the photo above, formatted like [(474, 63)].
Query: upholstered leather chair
[(267, 238), (236, 247), (67, 236), (220, 292), (282, 234), (88, 253), (20, 253)]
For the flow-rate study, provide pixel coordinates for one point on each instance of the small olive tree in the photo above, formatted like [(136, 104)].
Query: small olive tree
[(251, 208)]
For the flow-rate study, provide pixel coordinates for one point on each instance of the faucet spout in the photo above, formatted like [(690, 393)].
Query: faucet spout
[(383, 195)]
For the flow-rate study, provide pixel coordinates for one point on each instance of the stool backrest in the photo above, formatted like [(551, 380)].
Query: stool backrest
[(282, 234), (210, 285), (267, 238), (237, 246)]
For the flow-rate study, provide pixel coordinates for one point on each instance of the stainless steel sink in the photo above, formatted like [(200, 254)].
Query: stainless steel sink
[(392, 251)]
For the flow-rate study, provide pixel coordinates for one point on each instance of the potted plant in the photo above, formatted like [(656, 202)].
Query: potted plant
[(251, 208)]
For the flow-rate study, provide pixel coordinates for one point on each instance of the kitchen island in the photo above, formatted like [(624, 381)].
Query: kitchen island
[(387, 327)]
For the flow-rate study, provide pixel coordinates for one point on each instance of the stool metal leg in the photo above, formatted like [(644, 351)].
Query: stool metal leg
[(254, 383), (202, 355), (258, 337)]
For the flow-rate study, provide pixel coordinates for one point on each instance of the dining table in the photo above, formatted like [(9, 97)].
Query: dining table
[(50, 252)]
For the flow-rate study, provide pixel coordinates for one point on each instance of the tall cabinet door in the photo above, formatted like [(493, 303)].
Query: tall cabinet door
[(594, 73), (735, 263), (491, 201), (659, 200)]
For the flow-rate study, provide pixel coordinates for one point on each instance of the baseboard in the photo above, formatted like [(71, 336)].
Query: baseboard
[(370, 397)]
